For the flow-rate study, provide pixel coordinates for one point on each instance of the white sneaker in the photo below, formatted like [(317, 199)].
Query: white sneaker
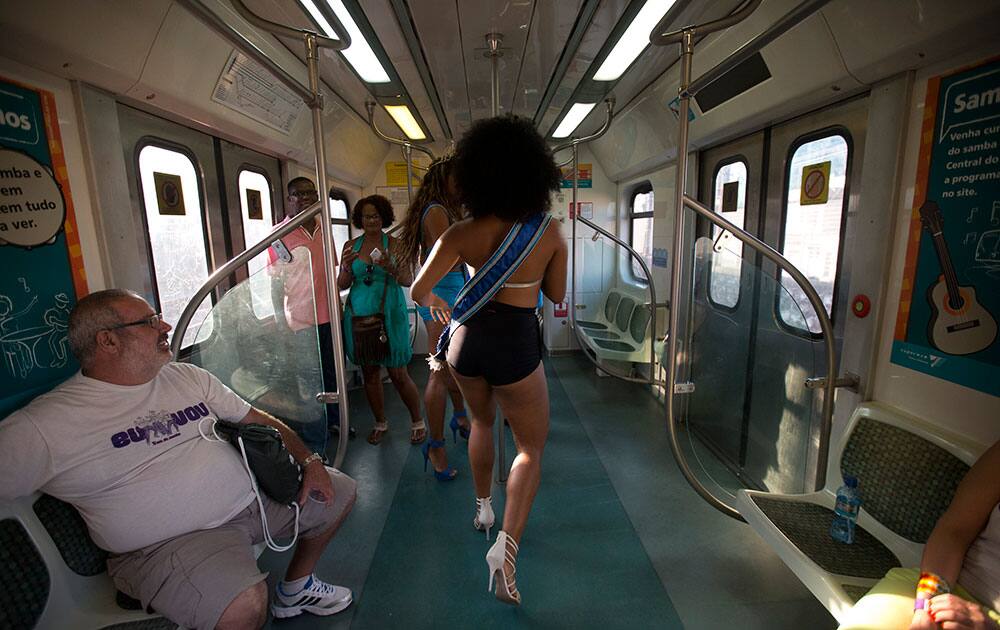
[(316, 597)]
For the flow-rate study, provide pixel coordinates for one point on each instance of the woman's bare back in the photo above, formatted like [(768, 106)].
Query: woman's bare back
[(545, 267)]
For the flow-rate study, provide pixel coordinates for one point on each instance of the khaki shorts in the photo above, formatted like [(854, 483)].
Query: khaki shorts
[(191, 579)]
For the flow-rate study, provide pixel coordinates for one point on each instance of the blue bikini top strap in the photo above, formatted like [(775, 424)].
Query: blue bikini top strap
[(489, 279)]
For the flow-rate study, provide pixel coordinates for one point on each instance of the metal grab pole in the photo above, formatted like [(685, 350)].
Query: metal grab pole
[(683, 201), (408, 156), (329, 253), (493, 41), (314, 100), (687, 54)]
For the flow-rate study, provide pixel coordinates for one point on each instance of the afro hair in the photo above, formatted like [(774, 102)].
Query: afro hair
[(504, 168)]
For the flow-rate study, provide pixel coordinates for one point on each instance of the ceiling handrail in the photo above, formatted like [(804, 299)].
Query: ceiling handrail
[(240, 41), (342, 42), (658, 38)]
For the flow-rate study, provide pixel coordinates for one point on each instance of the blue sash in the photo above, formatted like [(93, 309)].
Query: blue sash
[(490, 278)]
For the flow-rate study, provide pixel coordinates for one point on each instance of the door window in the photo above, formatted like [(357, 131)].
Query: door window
[(339, 217), (258, 220), (641, 229), (730, 195), (812, 226), (175, 225)]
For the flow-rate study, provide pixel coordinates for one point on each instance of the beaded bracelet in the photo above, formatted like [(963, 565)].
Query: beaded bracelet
[(930, 584)]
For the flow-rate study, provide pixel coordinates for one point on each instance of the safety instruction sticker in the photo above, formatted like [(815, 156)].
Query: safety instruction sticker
[(731, 196), (815, 189), (169, 194), (395, 174)]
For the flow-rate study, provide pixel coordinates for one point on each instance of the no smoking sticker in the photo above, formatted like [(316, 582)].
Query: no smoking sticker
[(32, 210), (815, 188)]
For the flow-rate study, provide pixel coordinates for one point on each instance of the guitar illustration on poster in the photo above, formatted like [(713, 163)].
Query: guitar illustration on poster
[(959, 324)]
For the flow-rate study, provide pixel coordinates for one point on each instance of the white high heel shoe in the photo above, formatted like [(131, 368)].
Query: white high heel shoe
[(484, 515), (503, 550)]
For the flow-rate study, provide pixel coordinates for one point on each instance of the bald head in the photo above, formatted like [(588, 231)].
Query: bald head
[(92, 314)]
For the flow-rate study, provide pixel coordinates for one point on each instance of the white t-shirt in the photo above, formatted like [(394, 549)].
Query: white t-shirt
[(130, 457)]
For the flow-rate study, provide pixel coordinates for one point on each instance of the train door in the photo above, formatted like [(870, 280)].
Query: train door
[(201, 200), (760, 339)]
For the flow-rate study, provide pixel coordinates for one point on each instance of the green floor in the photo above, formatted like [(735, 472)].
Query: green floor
[(616, 538)]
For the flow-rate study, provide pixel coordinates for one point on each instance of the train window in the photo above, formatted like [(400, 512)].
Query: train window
[(339, 217), (813, 224), (258, 220), (730, 195), (641, 228), (171, 194)]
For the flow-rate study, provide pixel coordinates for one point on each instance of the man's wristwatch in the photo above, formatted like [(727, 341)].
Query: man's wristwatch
[(315, 457)]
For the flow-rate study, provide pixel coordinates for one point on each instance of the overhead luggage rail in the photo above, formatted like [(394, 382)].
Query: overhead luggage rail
[(314, 100), (685, 37)]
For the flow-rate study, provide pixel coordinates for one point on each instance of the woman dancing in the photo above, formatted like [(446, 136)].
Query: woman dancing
[(493, 343), (432, 211)]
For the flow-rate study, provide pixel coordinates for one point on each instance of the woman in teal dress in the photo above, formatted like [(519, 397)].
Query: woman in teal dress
[(369, 267)]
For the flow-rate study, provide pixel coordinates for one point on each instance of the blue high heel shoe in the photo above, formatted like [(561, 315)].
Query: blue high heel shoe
[(448, 473), (457, 428)]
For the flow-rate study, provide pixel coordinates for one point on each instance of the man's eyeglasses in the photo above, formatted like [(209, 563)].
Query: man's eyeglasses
[(153, 321), (303, 194)]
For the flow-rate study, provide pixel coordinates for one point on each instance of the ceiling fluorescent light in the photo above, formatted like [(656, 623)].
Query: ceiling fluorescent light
[(575, 116), (633, 41), (317, 15), (359, 54), (401, 114)]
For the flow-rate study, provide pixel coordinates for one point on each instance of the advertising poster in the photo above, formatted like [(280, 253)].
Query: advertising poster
[(584, 176), (40, 252), (950, 300)]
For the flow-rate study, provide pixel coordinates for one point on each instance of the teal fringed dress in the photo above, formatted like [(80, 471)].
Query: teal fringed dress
[(365, 300)]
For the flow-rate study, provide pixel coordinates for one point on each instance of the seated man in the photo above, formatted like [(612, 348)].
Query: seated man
[(958, 582), (120, 440)]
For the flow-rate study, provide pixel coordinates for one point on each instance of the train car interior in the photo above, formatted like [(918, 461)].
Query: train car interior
[(783, 269)]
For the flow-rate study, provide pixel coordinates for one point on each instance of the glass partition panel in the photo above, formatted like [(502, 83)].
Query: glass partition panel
[(750, 405), (274, 368)]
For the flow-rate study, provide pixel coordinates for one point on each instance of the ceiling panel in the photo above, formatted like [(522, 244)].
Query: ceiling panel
[(650, 65), (551, 25), (440, 35), (604, 20)]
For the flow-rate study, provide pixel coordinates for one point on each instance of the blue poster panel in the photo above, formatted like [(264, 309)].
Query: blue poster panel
[(42, 268), (950, 301)]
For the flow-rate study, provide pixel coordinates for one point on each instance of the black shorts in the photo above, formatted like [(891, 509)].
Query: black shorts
[(501, 343)]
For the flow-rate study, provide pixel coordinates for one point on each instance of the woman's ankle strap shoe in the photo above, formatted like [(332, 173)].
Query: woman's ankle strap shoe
[(457, 428), (448, 473), (502, 553), (484, 515)]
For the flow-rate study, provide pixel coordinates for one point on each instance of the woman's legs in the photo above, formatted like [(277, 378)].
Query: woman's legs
[(411, 398), (525, 405), (479, 395), (439, 383), (373, 392)]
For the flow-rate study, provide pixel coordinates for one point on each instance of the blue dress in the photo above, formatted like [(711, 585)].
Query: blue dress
[(365, 300)]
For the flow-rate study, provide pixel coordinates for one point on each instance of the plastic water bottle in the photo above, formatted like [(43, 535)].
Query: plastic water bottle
[(846, 511)]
